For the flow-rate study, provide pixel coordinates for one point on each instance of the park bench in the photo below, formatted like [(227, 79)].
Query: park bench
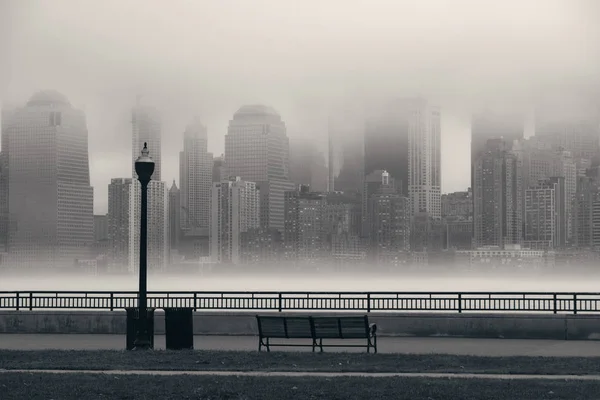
[(316, 329)]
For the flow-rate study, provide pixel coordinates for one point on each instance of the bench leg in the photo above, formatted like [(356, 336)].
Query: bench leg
[(321, 344), (268, 347), (314, 344), (375, 344), (260, 344)]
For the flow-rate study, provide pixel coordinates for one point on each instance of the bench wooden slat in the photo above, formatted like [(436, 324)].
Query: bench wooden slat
[(298, 328)]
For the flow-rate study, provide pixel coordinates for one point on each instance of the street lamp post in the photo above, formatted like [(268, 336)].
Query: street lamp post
[(144, 167)]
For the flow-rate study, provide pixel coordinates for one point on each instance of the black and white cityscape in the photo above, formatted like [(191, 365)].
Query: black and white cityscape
[(438, 176)]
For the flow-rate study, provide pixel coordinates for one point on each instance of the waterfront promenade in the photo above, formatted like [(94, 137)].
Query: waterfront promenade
[(400, 345)]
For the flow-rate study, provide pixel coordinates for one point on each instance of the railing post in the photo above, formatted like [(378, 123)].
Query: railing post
[(280, 301), (554, 298), (30, 301), (574, 304), (195, 299), (368, 302), (460, 303), (112, 298), (18, 301)]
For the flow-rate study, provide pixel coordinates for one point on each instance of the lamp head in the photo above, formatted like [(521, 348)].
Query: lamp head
[(144, 165)]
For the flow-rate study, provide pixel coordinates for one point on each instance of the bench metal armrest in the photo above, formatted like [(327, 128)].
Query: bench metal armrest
[(372, 330)]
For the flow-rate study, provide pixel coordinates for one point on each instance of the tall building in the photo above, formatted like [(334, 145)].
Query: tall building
[(545, 215), (540, 162), (390, 223), (195, 178), (234, 211), (146, 128), (304, 236), (307, 165), (174, 216), (100, 227), (345, 151), (120, 191), (50, 200), (373, 182), (497, 192), (257, 150), (586, 210), (387, 145), (6, 115), (219, 171), (424, 158)]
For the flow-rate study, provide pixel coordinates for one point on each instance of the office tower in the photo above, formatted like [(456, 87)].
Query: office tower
[(541, 162), (6, 115), (426, 235), (390, 223), (257, 150), (174, 216), (345, 151), (545, 215), (146, 128), (235, 209), (50, 200), (195, 178), (100, 227), (386, 144), (219, 172), (120, 191), (458, 205), (571, 127), (307, 165), (342, 226), (371, 185), (497, 192), (586, 211), (304, 236), (424, 158)]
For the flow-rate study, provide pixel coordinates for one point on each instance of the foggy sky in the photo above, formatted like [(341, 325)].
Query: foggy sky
[(206, 58)]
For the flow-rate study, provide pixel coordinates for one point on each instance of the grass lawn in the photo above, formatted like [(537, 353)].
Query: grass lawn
[(34, 386), (292, 361)]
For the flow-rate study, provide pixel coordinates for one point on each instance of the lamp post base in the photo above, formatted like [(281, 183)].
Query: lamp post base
[(142, 342)]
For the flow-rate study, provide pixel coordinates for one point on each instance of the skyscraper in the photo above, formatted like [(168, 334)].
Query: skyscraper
[(174, 216), (304, 235), (346, 151), (307, 165), (120, 191), (235, 210), (497, 195), (146, 128), (257, 150), (50, 200), (424, 158), (545, 215), (195, 178)]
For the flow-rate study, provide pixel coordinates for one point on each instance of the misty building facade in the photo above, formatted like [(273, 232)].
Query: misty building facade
[(304, 234), (257, 150), (497, 196), (6, 115), (545, 215), (146, 128), (120, 191), (174, 217), (50, 200), (458, 205), (390, 224), (307, 165), (100, 227), (195, 178), (219, 172), (346, 147), (235, 210)]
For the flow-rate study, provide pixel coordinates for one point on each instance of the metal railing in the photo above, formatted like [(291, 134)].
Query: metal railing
[(483, 302)]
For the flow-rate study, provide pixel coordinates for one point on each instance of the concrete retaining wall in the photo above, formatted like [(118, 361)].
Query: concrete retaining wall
[(516, 326)]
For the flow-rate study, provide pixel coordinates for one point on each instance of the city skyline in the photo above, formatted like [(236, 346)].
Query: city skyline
[(302, 72)]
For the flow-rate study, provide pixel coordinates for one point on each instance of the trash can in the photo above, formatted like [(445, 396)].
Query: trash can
[(179, 328), (133, 323)]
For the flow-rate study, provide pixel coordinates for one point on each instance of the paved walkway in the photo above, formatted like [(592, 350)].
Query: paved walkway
[(314, 374), (400, 345)]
